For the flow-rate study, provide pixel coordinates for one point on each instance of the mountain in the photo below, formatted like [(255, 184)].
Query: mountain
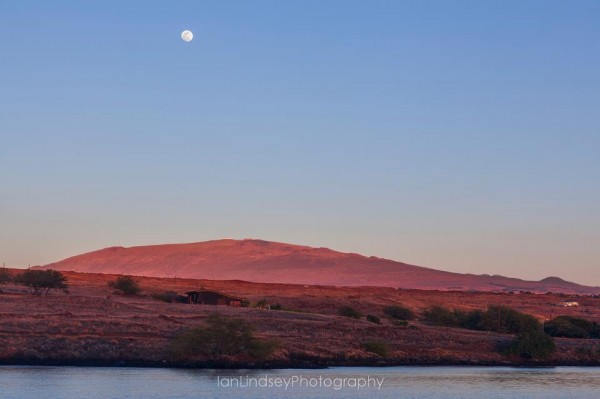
[(272, 262)]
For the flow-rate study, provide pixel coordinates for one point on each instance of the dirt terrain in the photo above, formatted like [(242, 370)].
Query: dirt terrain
[(92, 325), (272, 262)]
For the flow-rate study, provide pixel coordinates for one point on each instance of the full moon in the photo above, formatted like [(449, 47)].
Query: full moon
[(187, 36)]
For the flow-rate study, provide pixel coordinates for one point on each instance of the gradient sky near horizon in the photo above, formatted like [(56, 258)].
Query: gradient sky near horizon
[(461, 135)]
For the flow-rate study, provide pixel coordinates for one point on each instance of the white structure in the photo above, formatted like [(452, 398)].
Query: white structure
[(569, 304)]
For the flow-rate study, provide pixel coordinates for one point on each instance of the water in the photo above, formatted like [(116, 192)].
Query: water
[(25, 382)]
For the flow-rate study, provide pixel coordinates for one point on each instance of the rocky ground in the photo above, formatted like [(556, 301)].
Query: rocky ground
[(92, 325)]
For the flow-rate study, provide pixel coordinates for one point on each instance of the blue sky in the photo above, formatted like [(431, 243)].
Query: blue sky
[(458, 135)]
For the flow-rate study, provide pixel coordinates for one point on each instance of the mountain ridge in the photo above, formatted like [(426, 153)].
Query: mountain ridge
[(275, 262)]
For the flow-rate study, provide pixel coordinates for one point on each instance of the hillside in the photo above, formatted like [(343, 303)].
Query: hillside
[(94, 326), (271, 262)]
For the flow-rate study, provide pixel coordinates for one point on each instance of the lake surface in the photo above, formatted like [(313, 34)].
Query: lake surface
[(18, 382)]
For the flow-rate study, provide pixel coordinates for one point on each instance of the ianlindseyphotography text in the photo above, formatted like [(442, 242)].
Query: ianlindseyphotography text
[(298, 381)]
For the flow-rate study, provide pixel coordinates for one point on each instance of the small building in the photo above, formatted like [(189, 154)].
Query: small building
[(569, 304), (209, 297)]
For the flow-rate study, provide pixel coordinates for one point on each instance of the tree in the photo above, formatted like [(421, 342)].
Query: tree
[(125, 284), (42, 281)]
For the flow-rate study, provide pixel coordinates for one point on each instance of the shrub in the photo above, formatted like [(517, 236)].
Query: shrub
[(349, 311), (5, 276), (221, 337), (470, 320), (572, 327), (496, 318), (588, 353), (533, 344), (506, 320), (42, 281), (276, 306), (592, 327), (440, 316), (560, 327), (399, 312), (262, 304), (126, 285), (373, 319), (168, 296), (377, 347)]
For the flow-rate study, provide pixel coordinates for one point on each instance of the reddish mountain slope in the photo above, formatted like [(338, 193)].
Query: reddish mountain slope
[(264, 261)]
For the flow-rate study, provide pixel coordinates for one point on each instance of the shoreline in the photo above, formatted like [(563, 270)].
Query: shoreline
[(272, 365)]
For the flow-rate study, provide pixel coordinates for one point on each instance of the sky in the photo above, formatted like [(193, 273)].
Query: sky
[(461, 135)]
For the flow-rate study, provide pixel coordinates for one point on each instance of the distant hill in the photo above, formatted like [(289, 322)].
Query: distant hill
[(272, 262)]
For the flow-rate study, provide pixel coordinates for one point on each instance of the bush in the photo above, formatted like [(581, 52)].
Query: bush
[(168, 296), (5, 276), (572, 327), (496, 318), (588, 353), (126, 285), (221, 337), (377, 347), (532, 344), (276, 306), (399, 312), (373, 319), (42, 281), (592, 327), (262, 304), (440, 316), (349, 311), (470, 320), (506, 320)]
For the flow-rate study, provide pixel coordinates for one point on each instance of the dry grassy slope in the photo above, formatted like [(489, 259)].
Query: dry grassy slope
[(270, 262), (92, 324)]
